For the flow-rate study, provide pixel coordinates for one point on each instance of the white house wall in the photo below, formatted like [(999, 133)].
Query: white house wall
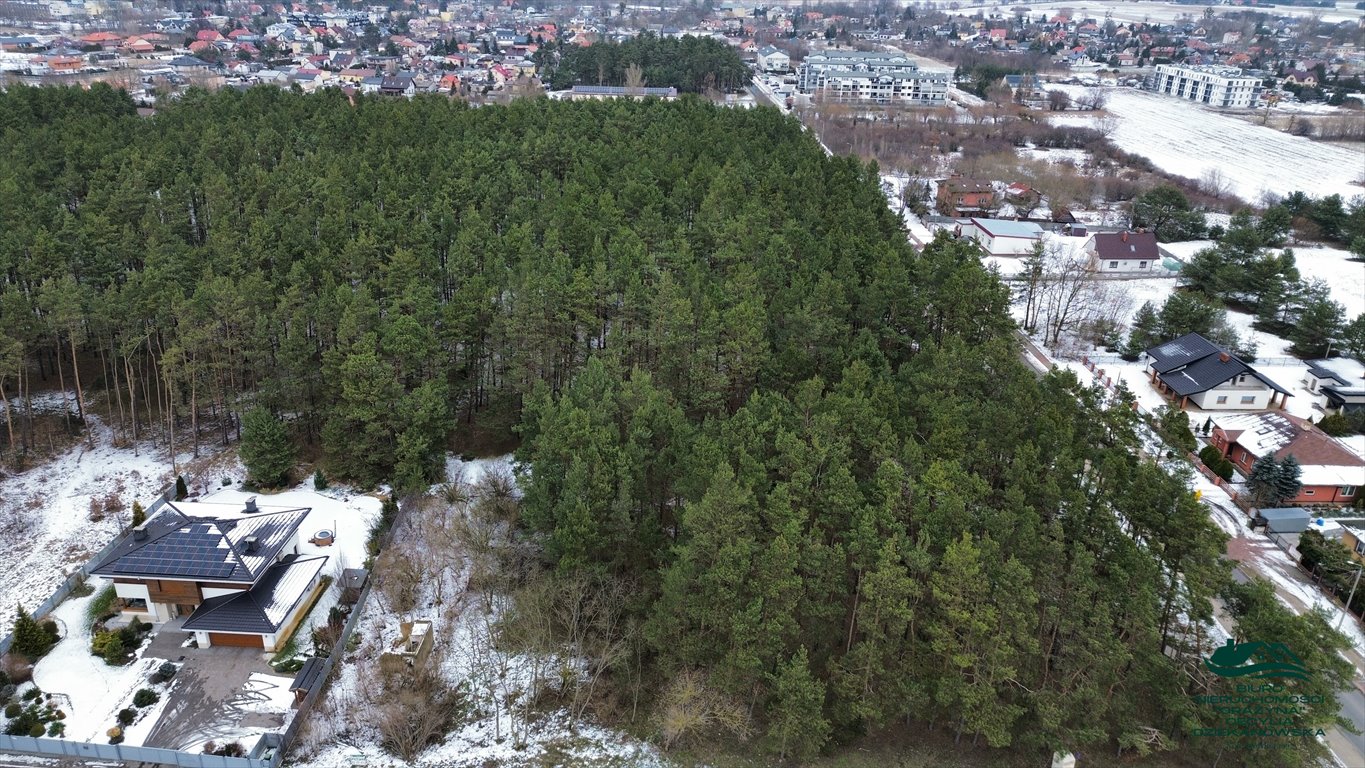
[(1125, 265), (217, 592), (1208, 400), (1006, 246), (132, 592)]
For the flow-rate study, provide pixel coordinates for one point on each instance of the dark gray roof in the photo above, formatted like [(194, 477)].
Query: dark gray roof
[(1192, 364), (1114, 246), (1181, 351), (1285, 513), (266, 606), (188, 61), (190, 548), (310, 674), (354, 578)]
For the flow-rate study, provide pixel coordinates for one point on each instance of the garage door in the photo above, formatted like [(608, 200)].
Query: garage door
[(241, 641)]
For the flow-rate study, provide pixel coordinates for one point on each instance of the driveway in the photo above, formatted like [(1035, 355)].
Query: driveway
[(208, 681)]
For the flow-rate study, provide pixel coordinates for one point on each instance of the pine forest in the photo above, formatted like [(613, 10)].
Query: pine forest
[(810, 455)]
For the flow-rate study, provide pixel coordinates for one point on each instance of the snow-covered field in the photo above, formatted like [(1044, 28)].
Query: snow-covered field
[(1346, 278), (1127, 10), (1189, 140), (46, 529)]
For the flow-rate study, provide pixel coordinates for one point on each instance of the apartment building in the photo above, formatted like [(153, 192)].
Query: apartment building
[(1215, 86), (871, 77)]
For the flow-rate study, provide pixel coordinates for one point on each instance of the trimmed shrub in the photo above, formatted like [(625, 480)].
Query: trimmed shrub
[(37, 730), (7, 691), (145, 697), (56, 730), (126, 716), (13, 710), (319, 481), (181, 490)]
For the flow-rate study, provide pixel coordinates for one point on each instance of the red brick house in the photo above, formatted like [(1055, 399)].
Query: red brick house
[(1332, 472), (958, 196)]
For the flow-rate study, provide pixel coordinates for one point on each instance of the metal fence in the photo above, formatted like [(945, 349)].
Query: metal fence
[(269, 756), (328, 664)]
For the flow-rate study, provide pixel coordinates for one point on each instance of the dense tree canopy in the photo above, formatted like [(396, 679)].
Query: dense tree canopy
[(689, 63), (836, 493)]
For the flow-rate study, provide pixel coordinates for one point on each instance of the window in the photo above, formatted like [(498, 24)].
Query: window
[(1360, 546), (1113, 265), (1142, 265), (1222, 399), (135, 604), (1248, 399), (1348, 490), (1310, 493)]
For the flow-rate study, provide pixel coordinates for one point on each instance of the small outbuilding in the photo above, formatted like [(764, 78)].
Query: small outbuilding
[(1283, 520)]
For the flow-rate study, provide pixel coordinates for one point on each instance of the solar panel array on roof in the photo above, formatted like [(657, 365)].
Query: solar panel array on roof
[(191, 551)]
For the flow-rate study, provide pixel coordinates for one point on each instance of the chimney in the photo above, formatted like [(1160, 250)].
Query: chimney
[(1125, 237), (251, 506), (1223, 357), (250, 544), (140, 533)]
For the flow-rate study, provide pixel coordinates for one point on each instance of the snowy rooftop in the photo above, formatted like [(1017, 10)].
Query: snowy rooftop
[(263, 608), (1349, 373), (1006, 228), (204, 541), (1325, 460)]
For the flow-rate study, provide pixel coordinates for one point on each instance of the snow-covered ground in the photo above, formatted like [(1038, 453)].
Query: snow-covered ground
[(95, 690), (463, 623), (1126, 10), (1345, 277), (46, 527), (1191, 141)]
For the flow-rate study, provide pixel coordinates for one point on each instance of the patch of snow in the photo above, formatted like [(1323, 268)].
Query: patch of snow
[(470, 472), (46, 530), (1345, 277)]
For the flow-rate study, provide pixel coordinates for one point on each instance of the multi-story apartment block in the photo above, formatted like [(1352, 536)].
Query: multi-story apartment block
[(1215, 86), (875, 77)]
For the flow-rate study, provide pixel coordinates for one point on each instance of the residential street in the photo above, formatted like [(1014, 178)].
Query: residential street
[(1258, 556)]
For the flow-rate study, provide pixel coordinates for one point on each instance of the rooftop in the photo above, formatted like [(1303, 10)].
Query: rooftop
[(200, 541), (265, 607)]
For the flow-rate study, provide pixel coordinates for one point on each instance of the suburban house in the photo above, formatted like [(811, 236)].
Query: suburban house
[(1331, 472), (1123, 252), (958, 196), (232, 573), (1192, 370), (1354, 539), (771, 59), (1001, 237), (1337, 384)]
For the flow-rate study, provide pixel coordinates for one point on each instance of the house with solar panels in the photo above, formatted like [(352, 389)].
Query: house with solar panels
[(230, 574)]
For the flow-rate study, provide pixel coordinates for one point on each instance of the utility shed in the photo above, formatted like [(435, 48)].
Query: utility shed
[(308, 678), (1285, 520)]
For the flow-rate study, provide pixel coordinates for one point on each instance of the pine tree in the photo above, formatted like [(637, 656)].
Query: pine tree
[(797, 727), (1144, 333), (139, 515), (29, 637), (1288, 480), (265, 450), (181, 490)]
